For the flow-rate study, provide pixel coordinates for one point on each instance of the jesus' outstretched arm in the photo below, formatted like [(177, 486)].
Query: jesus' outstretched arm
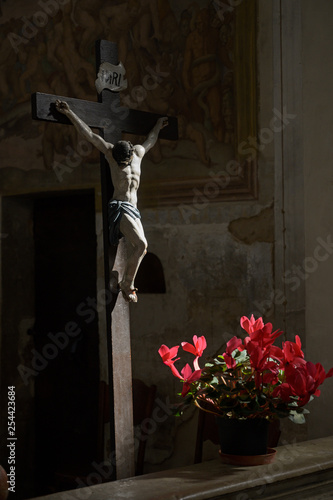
[(83, 129), (153, 134)]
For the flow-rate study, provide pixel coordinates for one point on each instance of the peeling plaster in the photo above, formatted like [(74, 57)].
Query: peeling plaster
[(259, 228)]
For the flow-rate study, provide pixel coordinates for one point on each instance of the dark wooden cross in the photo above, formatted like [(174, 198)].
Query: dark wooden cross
[(100, 115)]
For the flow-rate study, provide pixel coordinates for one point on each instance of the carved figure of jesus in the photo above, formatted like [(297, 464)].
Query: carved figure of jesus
[(124, 218)]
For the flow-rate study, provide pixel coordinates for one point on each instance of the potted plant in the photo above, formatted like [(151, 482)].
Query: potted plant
[(249, 385)]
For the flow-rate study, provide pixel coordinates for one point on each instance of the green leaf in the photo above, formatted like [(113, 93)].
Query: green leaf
[(242, 357), (297, 418)]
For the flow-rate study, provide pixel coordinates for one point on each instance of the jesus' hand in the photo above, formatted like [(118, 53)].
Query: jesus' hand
[(162, 122), (62, 107)]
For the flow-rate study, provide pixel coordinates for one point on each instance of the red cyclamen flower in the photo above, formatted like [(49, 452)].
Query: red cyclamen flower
[(266, 367), (258, 331), (234, 343), (167, 356), (292, 352), (302, 381), (197, 349), (199, 346), (188, 377), (251, 325)]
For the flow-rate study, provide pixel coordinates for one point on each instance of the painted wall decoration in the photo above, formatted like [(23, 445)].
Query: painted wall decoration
[(194, 60)]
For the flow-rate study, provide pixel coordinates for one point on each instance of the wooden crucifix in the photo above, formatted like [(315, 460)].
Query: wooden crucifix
[(111, 119)]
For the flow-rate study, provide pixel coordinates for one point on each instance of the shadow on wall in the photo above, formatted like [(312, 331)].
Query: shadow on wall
[(150, 277)]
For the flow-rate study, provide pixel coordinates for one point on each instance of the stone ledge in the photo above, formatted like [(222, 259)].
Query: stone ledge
[(301, 471)]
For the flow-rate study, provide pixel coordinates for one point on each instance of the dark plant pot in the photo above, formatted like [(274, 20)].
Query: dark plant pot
[(243, 437)]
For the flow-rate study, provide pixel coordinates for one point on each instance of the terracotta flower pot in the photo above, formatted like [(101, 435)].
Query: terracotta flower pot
[(248, 460)]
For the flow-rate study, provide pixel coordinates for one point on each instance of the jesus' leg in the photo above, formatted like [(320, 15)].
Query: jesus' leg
[(136, 245)]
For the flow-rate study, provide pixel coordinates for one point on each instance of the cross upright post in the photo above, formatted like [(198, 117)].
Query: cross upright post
[(111, 119)]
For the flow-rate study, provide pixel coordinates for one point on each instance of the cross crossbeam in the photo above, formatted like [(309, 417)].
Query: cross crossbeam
[(101, 115)]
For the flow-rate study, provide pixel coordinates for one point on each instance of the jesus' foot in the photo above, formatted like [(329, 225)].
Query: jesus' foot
[(129, 292)]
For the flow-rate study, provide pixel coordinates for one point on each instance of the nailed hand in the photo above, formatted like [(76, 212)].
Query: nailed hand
[(62, 106)]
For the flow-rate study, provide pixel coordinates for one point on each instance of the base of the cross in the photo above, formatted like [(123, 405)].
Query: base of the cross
[(122, 380)]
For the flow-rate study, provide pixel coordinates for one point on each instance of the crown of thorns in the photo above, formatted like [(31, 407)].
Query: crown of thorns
[(122, 151)]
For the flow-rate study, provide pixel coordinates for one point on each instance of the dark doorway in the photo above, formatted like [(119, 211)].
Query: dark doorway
[(66, 345)]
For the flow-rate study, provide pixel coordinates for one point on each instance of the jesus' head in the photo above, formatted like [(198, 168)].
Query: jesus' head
[(122, 152)]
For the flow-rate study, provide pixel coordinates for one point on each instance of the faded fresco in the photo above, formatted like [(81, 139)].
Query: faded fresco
[(179, 60)]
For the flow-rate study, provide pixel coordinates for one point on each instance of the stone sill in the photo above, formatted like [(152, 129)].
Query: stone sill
[(301, 471)]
